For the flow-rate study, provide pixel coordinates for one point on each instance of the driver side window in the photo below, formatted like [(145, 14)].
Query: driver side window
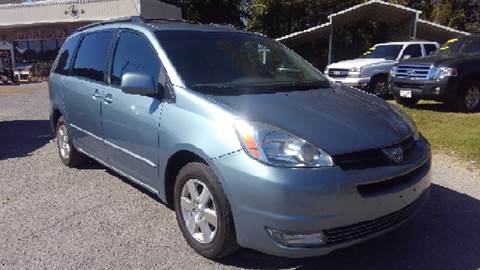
[(134, 54)]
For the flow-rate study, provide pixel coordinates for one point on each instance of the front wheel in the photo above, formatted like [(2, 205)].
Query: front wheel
[(203, 212), (407, 102), (379, 87), (66, 151), (468, 99)]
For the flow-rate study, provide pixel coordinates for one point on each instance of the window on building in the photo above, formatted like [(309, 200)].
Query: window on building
[(142, 59), (33, 51), (65, 58), (92, 56)]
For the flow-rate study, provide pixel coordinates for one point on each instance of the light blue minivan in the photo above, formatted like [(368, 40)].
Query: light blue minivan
[(251, 145)]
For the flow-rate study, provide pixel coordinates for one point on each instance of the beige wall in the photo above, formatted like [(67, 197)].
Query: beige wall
[(74, 11)]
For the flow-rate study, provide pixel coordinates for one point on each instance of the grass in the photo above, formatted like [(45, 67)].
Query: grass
[(447, 131)]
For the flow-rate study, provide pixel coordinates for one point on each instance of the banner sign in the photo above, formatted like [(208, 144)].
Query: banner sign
[(56, 33)]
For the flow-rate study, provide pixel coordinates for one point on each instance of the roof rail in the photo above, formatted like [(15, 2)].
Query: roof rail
[(134, 19)]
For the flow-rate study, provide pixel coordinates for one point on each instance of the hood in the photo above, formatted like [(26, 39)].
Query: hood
[(440, 60), (357, 63), (339, 120)]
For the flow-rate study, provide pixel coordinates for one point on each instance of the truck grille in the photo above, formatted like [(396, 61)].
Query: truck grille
[(413, 72), (338, 73), (366, 228)]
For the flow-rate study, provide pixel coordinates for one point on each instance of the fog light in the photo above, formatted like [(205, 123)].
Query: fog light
[(297, 240), (436, 91)]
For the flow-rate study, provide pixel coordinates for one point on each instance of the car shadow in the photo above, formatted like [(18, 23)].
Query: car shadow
[(19, 138), (434, 107), (444, 235)]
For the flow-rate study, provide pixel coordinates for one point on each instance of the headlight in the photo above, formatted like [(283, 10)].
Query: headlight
[(408, 120), (278, 147), (444, 72), (393, 72), (356, 69), (326, 71)]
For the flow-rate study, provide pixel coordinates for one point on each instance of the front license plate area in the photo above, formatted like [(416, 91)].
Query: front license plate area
[(406, 93)]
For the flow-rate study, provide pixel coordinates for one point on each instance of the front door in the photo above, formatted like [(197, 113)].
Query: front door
[(84, 92), (131, 122)]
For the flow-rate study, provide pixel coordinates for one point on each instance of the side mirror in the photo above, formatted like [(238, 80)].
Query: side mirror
[(407, 56), (138, 83)]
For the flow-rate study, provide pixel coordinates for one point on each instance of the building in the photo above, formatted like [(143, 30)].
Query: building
[(32, 32), (404, 21)]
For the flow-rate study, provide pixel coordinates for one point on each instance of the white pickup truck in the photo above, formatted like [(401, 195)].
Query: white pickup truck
[(370, 71)]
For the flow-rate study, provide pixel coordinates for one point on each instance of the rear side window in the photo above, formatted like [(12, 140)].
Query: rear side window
[(92, 56), (134, 54), (413, 50), (66, 55), (430, 49)]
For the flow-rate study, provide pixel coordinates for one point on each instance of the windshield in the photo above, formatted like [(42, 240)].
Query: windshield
[(389, 52), (233, 62), (467, 45)]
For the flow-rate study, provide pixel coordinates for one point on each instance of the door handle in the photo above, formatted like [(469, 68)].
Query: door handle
[(96, 94), (108, 98)]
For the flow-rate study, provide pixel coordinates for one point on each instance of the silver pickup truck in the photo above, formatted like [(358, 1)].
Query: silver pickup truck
[(370, 71)]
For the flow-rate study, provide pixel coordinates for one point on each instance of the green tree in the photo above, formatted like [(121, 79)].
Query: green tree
[(213, 11)]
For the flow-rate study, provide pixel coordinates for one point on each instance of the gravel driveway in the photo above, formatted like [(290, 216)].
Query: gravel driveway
[(53, 217)]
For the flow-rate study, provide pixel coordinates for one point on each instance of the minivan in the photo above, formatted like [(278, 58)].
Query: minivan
[(250, 144)]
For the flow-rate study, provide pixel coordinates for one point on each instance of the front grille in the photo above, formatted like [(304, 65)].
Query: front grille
[(371, 158), (366, 228), (338, 73), (392, 184), (413, 72), (409, 86)]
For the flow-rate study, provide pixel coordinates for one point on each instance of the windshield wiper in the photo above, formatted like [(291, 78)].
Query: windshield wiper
[(241, 89)]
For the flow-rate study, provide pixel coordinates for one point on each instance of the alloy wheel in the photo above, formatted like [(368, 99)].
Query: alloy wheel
[(472, 97), (198, 211)]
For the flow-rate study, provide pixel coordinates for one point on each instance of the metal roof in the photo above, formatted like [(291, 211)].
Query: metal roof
[(434, 31), (379, 10)]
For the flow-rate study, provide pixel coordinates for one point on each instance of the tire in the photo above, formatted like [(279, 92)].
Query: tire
[(222, 242), (379, 87), (66, 151), (468, 99), (407, 102)]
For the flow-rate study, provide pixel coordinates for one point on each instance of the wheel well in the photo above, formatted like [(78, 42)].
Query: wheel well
[(376, 76), (55, 116), (174, 165)]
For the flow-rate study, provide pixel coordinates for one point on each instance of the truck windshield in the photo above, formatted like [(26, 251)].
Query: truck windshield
[(467, 45), (237, 63), (388, 52)]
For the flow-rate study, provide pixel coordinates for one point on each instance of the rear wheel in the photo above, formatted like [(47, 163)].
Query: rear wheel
[(66, 151), (468, 99), (203, 212), (407, 102)]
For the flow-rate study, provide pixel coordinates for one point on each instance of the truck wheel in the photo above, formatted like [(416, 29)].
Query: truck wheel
[(468, 99), (67, 152), (407, 102), (203, 212), (379, 87)]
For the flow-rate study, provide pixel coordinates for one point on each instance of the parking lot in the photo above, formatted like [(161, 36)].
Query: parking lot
[(52, 217)]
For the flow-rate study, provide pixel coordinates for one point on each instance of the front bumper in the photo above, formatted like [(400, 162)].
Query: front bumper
[(443, 90), (352, 81), (313, 200)]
